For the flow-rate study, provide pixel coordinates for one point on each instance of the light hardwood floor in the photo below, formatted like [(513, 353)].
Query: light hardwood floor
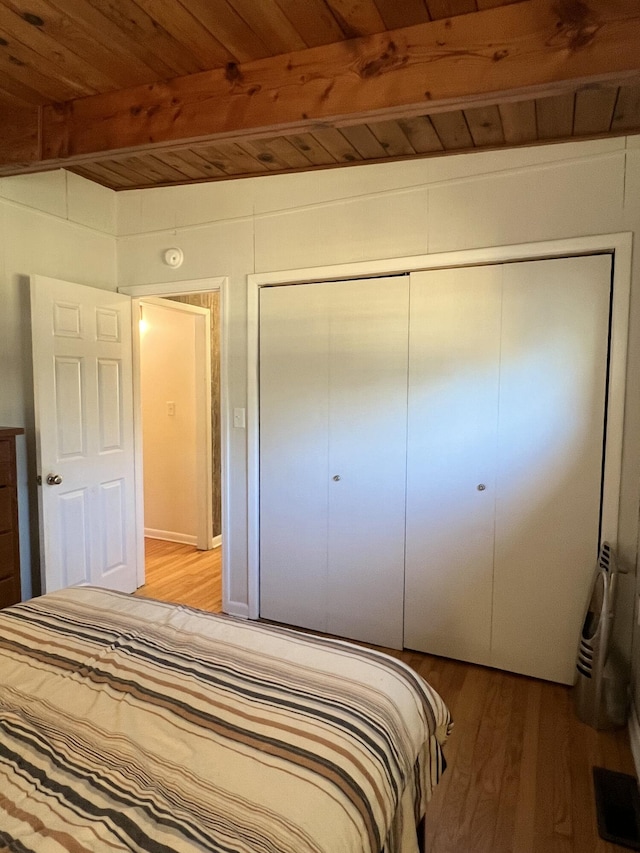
[(183, 575), (519, 765), (519, 762)]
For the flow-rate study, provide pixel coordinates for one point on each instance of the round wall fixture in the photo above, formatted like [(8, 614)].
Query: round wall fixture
[(173, 257)]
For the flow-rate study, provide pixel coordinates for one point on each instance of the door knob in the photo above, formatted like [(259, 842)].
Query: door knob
[(54, 480), (481, 487), (336, 477)]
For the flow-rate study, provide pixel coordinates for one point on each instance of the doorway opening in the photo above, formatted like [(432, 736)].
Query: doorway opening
[(183, 561), (180, 405)]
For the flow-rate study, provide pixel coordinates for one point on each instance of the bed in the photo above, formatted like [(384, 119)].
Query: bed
[(128, 724)]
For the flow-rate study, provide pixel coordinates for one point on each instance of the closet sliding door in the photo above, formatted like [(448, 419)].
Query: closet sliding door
[(551, 433), (333, 415), (454, 371), (507, 393), (294, 455)]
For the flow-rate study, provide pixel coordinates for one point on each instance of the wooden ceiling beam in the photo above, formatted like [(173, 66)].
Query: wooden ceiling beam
[(535, 48), (19, 139)]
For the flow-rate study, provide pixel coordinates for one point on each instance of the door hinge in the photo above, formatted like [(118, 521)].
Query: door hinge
[(39, 480)]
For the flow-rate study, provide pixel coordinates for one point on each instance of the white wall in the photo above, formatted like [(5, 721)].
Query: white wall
[(168, 374), (60, 225)]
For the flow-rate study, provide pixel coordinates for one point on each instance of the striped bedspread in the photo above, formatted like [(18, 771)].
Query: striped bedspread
[(134, 725)]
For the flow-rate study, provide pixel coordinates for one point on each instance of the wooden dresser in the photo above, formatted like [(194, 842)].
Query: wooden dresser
[(9, 543)]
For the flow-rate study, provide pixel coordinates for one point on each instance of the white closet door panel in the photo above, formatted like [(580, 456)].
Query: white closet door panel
[(453, 404), (550, 440), (294, 474), (367, 451)]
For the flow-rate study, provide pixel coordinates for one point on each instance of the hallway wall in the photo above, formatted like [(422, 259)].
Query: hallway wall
[(211, 300), (168, 394)]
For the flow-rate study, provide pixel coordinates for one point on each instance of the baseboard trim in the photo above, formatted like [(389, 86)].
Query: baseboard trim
[(216, 542), (634, 738), (236, 608), (170, 536)]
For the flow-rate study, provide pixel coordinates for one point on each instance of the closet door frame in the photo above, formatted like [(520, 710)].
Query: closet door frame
[(618, 245)]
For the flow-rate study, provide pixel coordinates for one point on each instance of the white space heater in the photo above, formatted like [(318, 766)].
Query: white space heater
[(601, 689)]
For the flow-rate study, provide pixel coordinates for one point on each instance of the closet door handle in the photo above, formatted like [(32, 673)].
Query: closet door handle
[(336, 477), (481, 487)]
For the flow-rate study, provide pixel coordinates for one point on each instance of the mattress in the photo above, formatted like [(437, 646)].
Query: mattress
[(133, 725)]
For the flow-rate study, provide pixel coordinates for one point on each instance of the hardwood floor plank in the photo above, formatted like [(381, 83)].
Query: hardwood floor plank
[(462, 767), (511, 772), (476, 824), (545, 779), (582, 756), (562, 812), (497, 720), (523, 838)]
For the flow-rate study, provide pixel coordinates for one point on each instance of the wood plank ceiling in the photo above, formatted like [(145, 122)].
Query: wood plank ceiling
[(59, 51)]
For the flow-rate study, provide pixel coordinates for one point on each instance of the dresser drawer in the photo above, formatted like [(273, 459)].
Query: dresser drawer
[(9, 592), (6, 468), (6, 508), (7, 555)]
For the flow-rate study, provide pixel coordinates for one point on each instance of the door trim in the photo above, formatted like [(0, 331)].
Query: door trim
[(176, 288), (619, 245)]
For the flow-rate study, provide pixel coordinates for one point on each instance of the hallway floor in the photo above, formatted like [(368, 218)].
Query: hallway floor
[(183, 575)]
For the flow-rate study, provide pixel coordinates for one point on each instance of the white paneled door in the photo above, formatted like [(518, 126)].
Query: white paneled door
[(333, 411), (84, 433)]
